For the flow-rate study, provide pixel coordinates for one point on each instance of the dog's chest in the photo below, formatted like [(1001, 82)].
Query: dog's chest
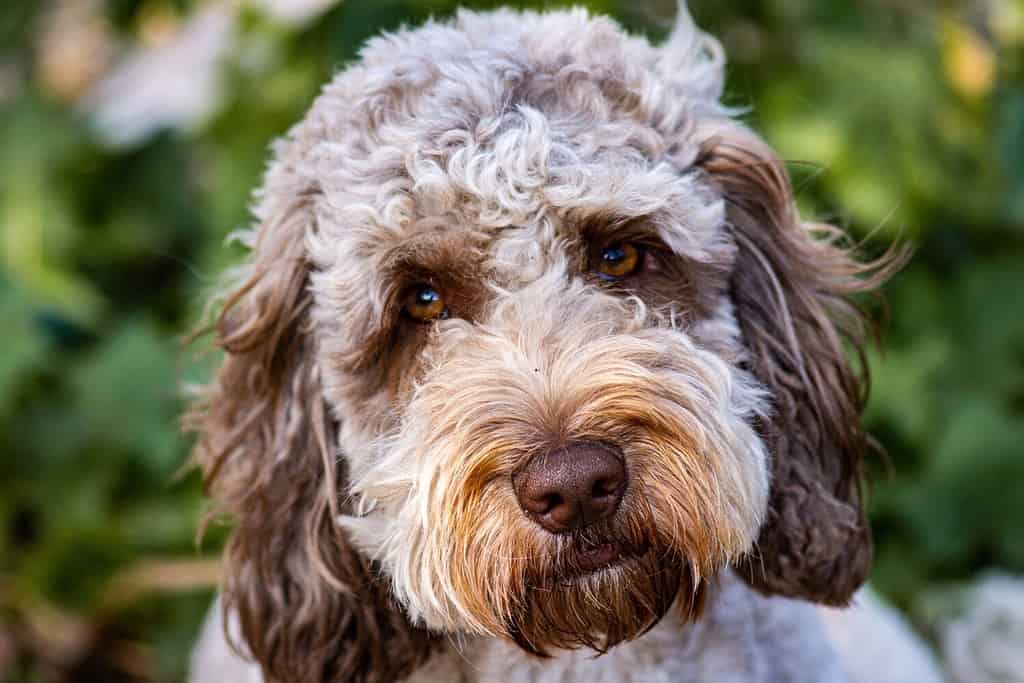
[(742, 638), (658, 656)]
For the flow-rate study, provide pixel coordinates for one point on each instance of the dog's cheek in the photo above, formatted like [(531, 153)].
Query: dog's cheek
[(483, 548), (695, 460), (450, 541), (709, 500), (477, 546)]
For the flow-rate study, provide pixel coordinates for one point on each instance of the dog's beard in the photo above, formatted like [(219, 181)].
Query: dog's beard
[(566, 602)]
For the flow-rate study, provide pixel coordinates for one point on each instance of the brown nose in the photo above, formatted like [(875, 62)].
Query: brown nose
[(572, 486)]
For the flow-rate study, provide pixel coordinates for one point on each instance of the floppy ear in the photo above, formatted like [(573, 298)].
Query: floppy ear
[(309, 606), (792, 288)]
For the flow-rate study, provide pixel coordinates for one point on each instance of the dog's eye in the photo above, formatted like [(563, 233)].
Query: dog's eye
[(619, 261), (424, 304)]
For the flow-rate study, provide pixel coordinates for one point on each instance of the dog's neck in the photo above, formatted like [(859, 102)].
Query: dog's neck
[(742, 637)]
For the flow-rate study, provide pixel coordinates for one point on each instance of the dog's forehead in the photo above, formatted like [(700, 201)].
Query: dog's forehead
[(497, 137)]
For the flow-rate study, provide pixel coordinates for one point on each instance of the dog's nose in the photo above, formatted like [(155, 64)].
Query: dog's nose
[(572, 486)]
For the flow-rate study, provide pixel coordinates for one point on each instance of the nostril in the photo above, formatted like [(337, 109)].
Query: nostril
[(604, 488), (542, 503), (550, 502)]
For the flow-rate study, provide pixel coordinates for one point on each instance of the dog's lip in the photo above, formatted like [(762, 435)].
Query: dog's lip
[(595, 558)]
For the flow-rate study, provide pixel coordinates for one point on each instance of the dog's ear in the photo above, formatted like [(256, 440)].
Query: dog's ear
[(309, 606), (792, 288)]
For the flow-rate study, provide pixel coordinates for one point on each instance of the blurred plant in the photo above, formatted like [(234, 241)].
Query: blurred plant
[(133, 131)]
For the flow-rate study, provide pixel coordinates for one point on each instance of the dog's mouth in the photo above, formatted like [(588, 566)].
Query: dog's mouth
[(602, 586), (586, 559)]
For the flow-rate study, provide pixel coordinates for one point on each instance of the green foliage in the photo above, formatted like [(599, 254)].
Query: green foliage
[(901, 121)]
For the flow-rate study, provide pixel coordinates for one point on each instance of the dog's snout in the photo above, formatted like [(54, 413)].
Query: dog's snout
[(571, 486)]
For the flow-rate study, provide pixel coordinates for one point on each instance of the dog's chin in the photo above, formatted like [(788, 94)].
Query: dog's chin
[(597, 596)]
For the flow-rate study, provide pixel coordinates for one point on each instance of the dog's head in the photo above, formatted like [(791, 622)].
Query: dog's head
[(531, 344)]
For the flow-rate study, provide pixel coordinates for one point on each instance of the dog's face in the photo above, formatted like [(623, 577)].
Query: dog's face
[(529, 328), (546, 422)]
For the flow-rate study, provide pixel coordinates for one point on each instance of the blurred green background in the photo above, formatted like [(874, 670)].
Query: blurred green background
[(133, 131)]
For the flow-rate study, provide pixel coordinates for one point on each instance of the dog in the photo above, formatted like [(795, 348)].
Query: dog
[(535, 374)]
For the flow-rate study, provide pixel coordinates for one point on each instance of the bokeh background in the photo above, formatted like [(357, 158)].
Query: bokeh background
[(133, 131)]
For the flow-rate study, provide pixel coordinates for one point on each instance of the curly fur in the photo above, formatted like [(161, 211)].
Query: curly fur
[(367, 459)]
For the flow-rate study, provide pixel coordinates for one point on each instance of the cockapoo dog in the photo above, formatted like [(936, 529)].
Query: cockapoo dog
[(534, 373)]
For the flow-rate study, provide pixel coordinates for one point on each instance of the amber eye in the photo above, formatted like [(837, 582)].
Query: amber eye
[(423, 303), (619, 261)]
